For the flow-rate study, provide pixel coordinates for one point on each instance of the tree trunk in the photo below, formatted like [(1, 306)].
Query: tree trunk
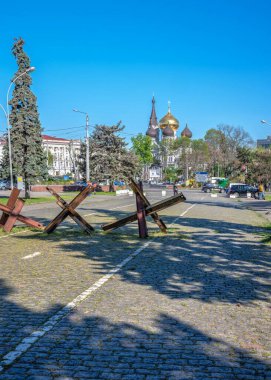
[(26, 189), (111, 186)]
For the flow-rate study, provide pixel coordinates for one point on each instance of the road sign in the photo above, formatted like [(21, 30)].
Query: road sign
[(20, 183), (201, 177)]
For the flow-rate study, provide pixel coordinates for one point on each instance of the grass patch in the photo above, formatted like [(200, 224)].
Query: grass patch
[(18, 229), (33, 201), (50, 199), (266, 238), (171, 232), (266, 234), (268, 197), (105, 193)]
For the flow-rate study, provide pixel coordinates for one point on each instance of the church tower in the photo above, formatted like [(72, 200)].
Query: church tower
[(153, 129)]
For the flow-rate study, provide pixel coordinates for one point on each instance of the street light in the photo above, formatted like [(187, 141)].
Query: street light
[(87, 143), (6, 112), (265, 122)]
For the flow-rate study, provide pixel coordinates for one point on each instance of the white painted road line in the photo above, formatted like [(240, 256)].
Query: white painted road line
[(186, 211), (15, 233), (28, 342), (93, 213), (116, 208), (182, 214), (31, 256)]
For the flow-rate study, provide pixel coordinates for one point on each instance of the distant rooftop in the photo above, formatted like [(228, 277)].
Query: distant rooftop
[(53, 138), (264, 143)]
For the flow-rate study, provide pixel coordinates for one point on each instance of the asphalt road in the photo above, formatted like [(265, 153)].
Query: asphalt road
[(44, 212)]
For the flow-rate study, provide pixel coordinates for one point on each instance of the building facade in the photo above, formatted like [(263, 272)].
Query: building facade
[(62, 155), (264, 143)]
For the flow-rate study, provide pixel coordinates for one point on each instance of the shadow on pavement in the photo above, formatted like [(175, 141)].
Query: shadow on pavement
[(95, 347), (225, 265), (208, 260)]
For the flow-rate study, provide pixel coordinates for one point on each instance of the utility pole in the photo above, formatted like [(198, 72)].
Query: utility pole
[(87, 148), (87, 143)]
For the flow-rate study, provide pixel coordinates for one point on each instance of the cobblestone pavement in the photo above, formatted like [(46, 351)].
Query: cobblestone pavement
[(194, 304)]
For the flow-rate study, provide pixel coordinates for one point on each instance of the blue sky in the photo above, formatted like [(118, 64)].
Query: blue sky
[(210, 58)]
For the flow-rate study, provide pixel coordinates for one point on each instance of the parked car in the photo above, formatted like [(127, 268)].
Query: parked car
[(242, 190), (4, 184), (233, 184), (208, 187), (81, 184), (119, 183)]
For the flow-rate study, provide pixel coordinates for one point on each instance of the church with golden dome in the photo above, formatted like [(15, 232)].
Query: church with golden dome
[(168, 126), (166, 129)]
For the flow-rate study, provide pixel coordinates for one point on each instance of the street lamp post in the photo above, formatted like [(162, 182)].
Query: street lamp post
[(6, 112), (87, 143), (265, 122)]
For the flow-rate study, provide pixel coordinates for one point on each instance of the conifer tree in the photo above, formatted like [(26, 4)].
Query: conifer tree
[(28, 156), (82, 160), (109, 157)]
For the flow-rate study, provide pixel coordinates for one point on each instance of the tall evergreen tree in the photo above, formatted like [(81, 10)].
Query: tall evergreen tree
[(109, 157), (82, 160), (28, 156)]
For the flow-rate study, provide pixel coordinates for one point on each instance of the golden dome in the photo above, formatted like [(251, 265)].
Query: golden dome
[(169, 120)]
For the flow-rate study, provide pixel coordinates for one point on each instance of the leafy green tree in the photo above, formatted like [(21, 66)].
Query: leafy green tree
[(214, 140), (28, 156), (232, 138), (242, 165), (109, 157), (181, 147), (245, 155), (50, 159), (199, 154), (167, 147), (260, 167), (171, 174), (223, 143), (144, 148), (254, 165)]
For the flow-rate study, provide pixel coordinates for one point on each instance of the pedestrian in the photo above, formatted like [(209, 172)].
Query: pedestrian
[(261, 191)]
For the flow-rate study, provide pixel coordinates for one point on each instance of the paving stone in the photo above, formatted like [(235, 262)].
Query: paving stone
[(194, 304)]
